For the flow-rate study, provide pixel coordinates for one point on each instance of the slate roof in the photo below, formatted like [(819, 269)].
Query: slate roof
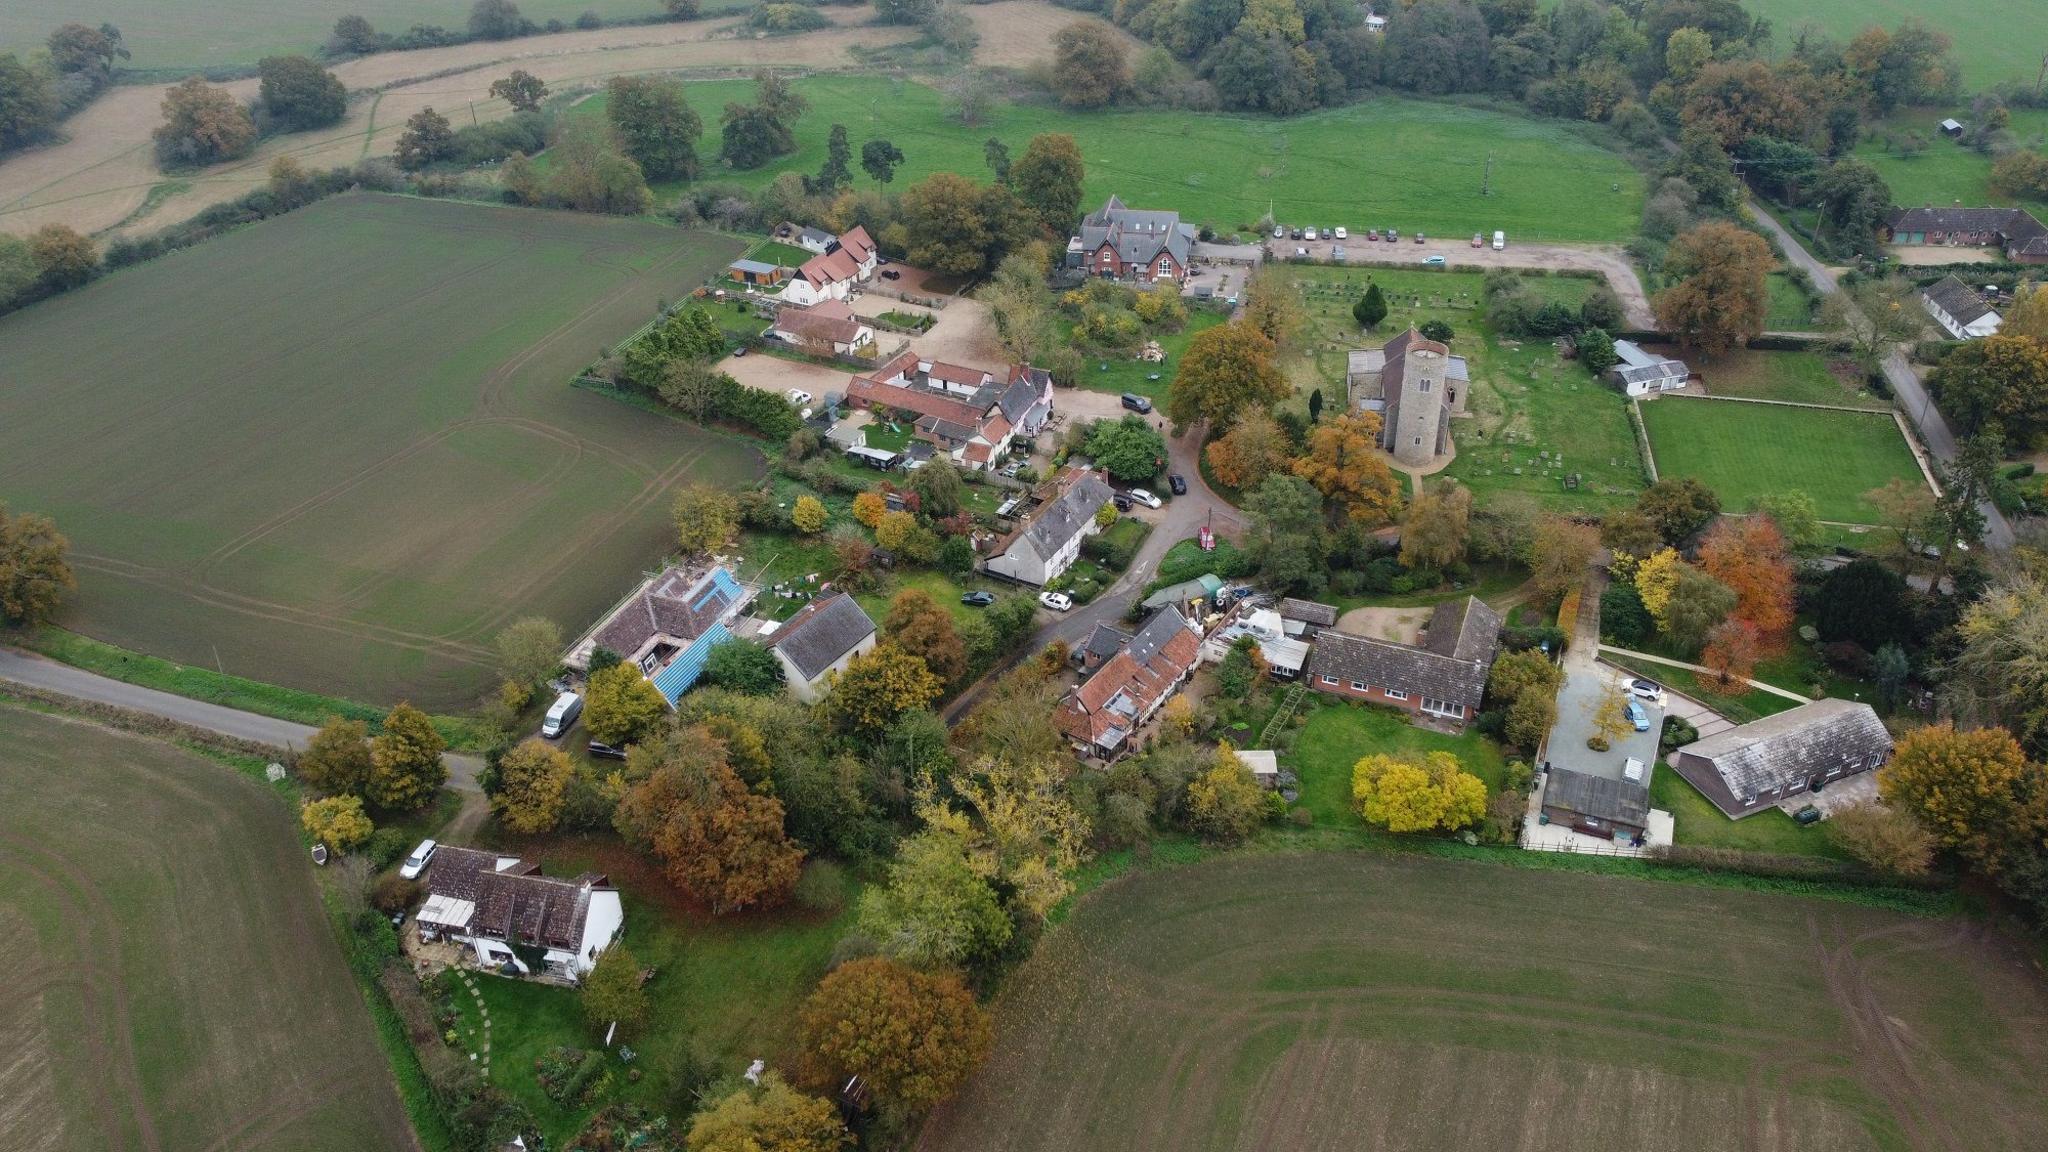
[(1137, 235), (1959, 300), (815, 638), (1463, 630), (1103, 641), (1953, 219), (1615, 801), (1060, 519), (681, 603), (1468, 636), (1026, 387), (1105, 708), (1308, 612), (1796, 745)]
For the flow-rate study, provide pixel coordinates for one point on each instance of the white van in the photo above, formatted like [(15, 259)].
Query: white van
[(1500, 241), (562, 715), (417, 862)]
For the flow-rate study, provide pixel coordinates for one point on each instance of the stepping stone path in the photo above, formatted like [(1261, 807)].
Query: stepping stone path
[(483, 1055)]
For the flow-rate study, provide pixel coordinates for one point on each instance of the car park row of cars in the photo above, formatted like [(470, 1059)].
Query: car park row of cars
[(1372, 235)]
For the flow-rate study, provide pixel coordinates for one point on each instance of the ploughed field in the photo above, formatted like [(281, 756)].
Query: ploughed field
[(172, 980), (338, 450), (1352, 1001)]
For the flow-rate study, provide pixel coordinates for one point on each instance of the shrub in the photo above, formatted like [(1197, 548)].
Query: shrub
[(1597, 743), (822, 887), (393, 894)]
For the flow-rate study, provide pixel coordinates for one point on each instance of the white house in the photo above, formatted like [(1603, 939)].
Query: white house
[(1049, 540), (968, 413), (504, 910), (1641, 373), (1960, 311), (819, 641), (833, 274)]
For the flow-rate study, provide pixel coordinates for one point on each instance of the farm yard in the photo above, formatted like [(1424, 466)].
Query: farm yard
[(1326, 167), (1743, 451), (173, 982), (1366, 1001), (338, 450)]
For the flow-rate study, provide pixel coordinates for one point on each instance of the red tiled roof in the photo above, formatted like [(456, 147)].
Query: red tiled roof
[(831, 320), (830, 268), (1084, 715), (857, 241), (923, 401)]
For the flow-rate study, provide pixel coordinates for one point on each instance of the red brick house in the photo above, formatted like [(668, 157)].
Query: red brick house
[(1442, 677), (2015, 230), (1102, 715), (1121, 243)]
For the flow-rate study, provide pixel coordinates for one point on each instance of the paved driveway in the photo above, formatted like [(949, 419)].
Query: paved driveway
[(1584, 684)]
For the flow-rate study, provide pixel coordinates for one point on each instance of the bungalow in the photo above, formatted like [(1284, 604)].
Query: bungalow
[(505, 911), (1960, 311), (830, 324), (819, 642), (1049, 540), (1443, 677), (1101, 715), (669, 624), (2024, 238), (1748, 769), (962, 411), (833, 274), (1121, 243), (1643, 373), (1602, 806)]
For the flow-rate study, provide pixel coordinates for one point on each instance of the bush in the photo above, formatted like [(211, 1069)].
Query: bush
[(1677, 733), (787, 18), (384, 847), (393, 894), (821, 888), (566, 1073)]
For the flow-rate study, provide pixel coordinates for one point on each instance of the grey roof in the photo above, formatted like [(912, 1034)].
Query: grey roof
[(1163, 626), (1953, 219), (1463, 630), (1201, 586), (1021, 393), (1385, 664), (1959, 300), (826, 630), (751, 266), (816, 236), (1308, 612), (1065, 516), (1136, 234), (1615, 801), (1804, 742), (1103, 641)]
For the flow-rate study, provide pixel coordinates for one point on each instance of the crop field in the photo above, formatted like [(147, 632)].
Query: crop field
[(1743, 451), (1993, 41), (338, 450), (1946, 171), (173, 982), (1289, 1003), (1325, 168)]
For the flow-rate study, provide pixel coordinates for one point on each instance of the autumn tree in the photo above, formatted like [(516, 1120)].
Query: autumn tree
[(2028, 314), (768, 1117), (1254, 448), (622, 706), (1227, 370), (612, 993), (529, 650), (937, 908), (590, 174), (337, 758), (1019, 305), (1410, 793), (1748, 556), (1679, 508), (428, 139), (1088, 64), (1882, 837), (202, 125), (1722, 294), (1964, 786), (706, 518), (521, 89), (1271, 305), (532, 779), (878, 686), (1656, 579), (1871, 318), (2000, 673), (337, 821), (922, 627), (64, 257), (405, 761), (2001, 379), (1047, 180), (1225, 803), (1436, 532), (299, 94), (1608, 713), (34, 574), (1731, 653), (939, 488), (654, 125), (1697, 605), (869, 508), (1560, 554), (719, 842), (1342, 463), (809, 515), (912, 1037)]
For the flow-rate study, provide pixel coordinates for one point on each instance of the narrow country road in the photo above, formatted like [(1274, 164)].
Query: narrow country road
[(1912, 397)]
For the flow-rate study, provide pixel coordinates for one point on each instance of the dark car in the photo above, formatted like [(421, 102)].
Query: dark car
[(1137, 403), (1294, 233), (978, 599), (1123, 502), (1178, 484), (891, 274), (604, 751)]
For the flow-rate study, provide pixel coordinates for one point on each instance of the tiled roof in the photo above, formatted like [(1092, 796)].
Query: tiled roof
[(1053, 523), (1954, 219), (857, 241), (1602, 798), (1804, 742), (831, 267), (913, 398), (828, 320), (458, 873), (1959, 300), (815, 638), (535, 909), (1385, 664), (1463, 629), (1026, 388), (679, 603), (1103, 641), (1137, 235), (1308, 612), (1104, 709)]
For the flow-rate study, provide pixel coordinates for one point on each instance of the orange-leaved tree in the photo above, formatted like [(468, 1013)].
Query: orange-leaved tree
[(912, 1037), (1965, 786), (1722, 294), (719, 842), (1342, 463), (1748, 555)]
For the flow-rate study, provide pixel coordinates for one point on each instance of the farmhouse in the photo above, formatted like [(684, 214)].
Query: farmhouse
[(1121, 243), (1444, 677), (1750, 768), (2023, 238), (1642, 373), (1596, 805), (506, 911), (1960, 311), (830, 324), (669, 624), (1416, 386), (819, 641), (1049, 540), (848, 261), (1102, 713), (963, 412)]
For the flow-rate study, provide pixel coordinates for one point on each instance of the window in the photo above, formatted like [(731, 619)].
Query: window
[(1358, 685), (1330, 680), (1422, 386), (1395, 694), (1418, 440)]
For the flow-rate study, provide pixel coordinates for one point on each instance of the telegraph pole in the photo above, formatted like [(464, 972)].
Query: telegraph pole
[(1486, 180)]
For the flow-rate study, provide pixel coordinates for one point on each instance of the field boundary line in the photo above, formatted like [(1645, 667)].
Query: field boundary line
[(1635, 419)]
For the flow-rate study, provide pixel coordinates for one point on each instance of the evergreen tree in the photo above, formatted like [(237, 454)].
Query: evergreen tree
[(1371, 307)]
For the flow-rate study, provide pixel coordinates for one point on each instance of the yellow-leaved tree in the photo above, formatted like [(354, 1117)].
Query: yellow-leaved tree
[(1409, 793), (868, 508), (532, 779), (337, 822), (1225, 803), (1656, 577), (809, 515)]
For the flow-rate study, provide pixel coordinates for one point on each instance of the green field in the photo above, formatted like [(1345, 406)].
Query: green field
[(195, 34), (173, 981), (1791, 308), (1327, 168), (1743, 451), (1946, 171), (337, 450), (1798, 377), (1289, 1003), (1993, 42)]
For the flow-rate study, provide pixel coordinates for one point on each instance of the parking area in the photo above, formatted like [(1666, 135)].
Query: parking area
[(1585, 684), (1704, 720)]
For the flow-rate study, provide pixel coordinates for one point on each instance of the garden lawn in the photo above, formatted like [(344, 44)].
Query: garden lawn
[(1743, 451), (776, 252), (1798, 377), (1336, 736), (1947, 171), (1791, 308), (1115, 374), (1697, 823), (1549, 182)]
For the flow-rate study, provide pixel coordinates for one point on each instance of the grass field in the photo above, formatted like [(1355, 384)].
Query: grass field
[(1327, 1001), (337, 450), (1791, 308), (1337, 735), (1695, 821), (1326, 168), (1946, 171), (1798, 377), (173, 982), (215, 33), (1991, 40), (1743, 451)]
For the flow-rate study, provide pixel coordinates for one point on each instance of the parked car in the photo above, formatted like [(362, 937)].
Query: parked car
[(1057, 601), (1279, 231), (562, 715), (1294, 233), (1308, 233), (1649, 690), (1341, 233), (604, 751), (1392, 235), (1478, 241), (1433, 261), (1137, 403), (1122, 501), (1177, 484), (1418, 237), (417, 862), (891, 274), (978, 599), (1638, 717), (1372, 235), (798, 397), (1145, 498), (1500, 240)]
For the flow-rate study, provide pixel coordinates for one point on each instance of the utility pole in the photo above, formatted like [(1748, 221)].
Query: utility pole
[(1486, 180)]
